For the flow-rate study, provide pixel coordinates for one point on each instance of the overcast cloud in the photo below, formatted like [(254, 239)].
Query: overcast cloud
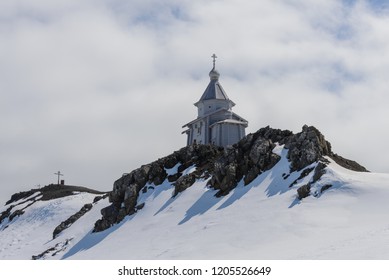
[(98, 88)]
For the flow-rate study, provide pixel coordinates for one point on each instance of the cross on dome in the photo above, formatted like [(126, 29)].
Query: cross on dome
[(214, 60), (214, 74)]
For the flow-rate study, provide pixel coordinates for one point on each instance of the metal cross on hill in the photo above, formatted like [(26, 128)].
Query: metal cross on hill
[(58, 174)]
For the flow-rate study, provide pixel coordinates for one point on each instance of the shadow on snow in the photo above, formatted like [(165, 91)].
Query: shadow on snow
[(93, 238), (202, 205)]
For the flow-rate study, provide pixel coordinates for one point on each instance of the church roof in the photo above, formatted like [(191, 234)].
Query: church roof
[(214, 90)]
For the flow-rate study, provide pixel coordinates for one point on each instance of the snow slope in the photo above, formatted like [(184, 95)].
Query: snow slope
[(263, 220), (32, 233)]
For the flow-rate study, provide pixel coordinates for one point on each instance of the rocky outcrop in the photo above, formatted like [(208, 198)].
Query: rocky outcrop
[(224, 168), (61, 246), (303, 191), (51, 191), (25, 199), (246, 160), (306, 147), (69, 221), (349, 164), (126, 189)]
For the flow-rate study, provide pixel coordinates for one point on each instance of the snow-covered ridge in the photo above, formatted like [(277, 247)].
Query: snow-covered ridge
[(249, 202), (29, 219)]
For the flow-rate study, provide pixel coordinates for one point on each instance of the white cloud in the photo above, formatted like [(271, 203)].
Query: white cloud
[(97, 88)]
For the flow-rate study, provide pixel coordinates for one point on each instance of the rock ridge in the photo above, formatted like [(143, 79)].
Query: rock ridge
[(224, 168)]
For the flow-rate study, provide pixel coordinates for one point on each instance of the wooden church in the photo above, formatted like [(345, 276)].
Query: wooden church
[(215, 123)]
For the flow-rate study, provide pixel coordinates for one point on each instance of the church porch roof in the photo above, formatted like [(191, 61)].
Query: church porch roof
[(232, 121), (234, 116)]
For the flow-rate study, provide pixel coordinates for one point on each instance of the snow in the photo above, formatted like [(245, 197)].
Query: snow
[(31, 233), (173, 170), (263, 220)]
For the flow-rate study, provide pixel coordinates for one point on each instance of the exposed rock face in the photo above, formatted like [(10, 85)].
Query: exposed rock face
[(247, 159), (126, 189), (225, 168), (68, 222), (307, 147), (303, 191), (349, 164)]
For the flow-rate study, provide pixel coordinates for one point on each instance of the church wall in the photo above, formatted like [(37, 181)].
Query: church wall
[(222, 134), (198, 131), (242, 132), (200, 109), (231, 133), (215, 135)]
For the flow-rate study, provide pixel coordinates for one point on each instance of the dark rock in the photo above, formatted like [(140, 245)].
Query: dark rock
[(171, 161), (54, 191), (319, 171), (325, 187), (100, 197), (110, 217), (140, 206), (293, 183), (69, 221), (174, 177), (305, 172), (275, 135), (15, 214), (5, 214), (157, 173), (251, 175), (61, 246), (21, 195), (251, 157), (349, 164), (184, 166), (306, 148), (126, 189), (130, 197), (183, 183), (303, 191), (109, 211)]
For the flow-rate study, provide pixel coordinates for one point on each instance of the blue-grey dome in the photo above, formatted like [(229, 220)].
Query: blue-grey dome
[(214, 74)]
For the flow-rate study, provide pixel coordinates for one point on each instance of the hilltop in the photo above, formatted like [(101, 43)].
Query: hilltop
[(273, 195)]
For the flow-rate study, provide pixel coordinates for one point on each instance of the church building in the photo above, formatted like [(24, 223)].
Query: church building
[(215, 123)]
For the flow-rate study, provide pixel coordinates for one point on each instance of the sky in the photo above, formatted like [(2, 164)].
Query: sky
[(98, 88)]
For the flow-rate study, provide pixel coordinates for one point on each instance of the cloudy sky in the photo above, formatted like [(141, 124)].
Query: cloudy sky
[(96, 88)]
